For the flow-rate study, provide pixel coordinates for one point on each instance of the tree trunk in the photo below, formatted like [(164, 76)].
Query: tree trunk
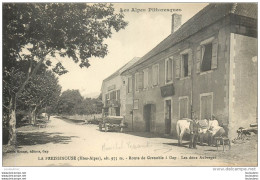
[(32, 115), (12, 120)]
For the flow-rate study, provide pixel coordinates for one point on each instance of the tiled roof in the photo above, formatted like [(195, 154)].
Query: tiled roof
[(207, 16), (123, 68)]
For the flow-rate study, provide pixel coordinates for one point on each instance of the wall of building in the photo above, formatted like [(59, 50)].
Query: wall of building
[(215, 81), (243, 82), (118, 81), (128, 104), (123, 96)]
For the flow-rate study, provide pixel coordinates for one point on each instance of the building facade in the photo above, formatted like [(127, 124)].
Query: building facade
[(114, 92), (207, 66)]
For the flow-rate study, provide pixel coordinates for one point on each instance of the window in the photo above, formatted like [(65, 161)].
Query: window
[(145, 78), (183, 105), (168, 70), (129, 84), (206, 105), (139, 81), (155, 74), (185, 65), (113, 95), (207, 55)]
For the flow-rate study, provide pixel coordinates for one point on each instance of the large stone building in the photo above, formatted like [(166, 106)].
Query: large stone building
[(114, 92), (207, 66)]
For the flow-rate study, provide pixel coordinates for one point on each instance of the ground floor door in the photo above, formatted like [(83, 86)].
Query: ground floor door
[(168, 116), (148, 117)]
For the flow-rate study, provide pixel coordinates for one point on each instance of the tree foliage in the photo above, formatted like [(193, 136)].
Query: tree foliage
[(40, 92), (76, 30), (38, 32), (71, 102)]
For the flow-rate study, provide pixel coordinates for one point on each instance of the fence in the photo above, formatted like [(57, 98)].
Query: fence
[(84, 117)]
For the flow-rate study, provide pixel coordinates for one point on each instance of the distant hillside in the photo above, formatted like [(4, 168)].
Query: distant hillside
[(90, 95)]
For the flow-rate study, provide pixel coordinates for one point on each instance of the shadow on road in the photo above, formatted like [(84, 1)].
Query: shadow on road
[(34, 138), (72, 121), (156, 135), (176, 144), (149, 135)]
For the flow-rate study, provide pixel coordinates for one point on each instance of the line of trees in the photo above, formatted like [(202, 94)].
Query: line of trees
[(71, 102), (35, 33)]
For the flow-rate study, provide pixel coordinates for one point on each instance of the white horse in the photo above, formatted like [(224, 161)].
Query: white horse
[(182, 127)]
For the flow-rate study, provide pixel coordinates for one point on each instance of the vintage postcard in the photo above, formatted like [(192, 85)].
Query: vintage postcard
[(130, 84)]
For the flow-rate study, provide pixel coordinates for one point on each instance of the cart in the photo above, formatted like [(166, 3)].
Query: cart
[(112, 123)]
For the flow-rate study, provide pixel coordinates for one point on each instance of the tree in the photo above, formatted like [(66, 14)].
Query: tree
[(69, 102), (41, 91), (34, 32)]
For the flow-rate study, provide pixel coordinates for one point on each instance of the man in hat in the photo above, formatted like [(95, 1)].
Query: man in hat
[(194, 131)]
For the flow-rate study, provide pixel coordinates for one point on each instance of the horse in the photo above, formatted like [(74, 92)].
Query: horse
[(182, 127)]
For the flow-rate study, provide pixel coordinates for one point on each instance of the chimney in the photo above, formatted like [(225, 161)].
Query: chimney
[(176, 22)]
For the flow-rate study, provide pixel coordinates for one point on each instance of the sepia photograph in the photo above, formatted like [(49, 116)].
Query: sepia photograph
[(130, 85)]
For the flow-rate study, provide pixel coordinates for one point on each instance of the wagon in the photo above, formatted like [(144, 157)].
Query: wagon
[(112, 123)]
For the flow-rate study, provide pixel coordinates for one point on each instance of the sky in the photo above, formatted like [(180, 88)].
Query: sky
[(144, 31)]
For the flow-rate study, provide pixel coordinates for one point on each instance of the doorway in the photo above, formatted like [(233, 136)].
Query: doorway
[(168, 116), (148, 117)]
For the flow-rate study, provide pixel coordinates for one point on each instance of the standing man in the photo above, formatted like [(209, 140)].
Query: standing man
[(194, 131)]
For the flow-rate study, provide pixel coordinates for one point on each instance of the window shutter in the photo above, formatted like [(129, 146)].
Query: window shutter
[(177, 67), (157, 74), (214, 63), (154, 74), (137, 81), (168, 69), (145, 78), (118, 95), (198, 58), (140, 80), (130, 84), (189, 62)]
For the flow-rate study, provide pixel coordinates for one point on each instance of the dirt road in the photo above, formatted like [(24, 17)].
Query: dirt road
[(64, 143)]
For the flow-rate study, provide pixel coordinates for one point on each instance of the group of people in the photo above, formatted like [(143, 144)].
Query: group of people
[(211, 131)]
